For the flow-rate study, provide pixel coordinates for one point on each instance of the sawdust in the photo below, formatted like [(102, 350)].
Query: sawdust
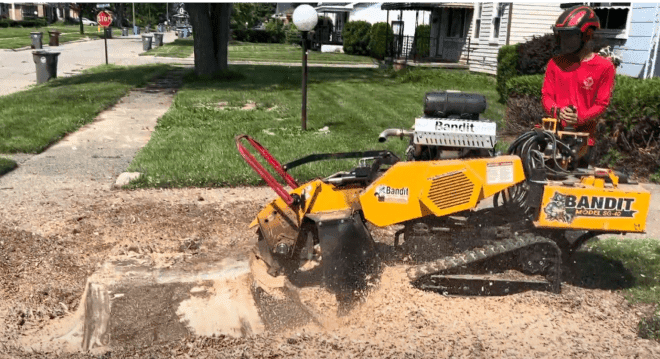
[(50, 246)]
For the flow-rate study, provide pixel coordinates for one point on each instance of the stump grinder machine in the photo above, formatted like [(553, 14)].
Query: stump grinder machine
[(540, 198)]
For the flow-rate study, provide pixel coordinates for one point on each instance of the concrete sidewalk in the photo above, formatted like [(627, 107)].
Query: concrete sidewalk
[(18, 71)]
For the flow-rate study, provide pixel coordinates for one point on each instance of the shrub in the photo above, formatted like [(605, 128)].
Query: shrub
[(422, 43), (534, 55), (507, 64), (522, 113), (380, 39), (356, 37), (23, 23), (275, 29), (249, 35), (291, 34), (525, 85)]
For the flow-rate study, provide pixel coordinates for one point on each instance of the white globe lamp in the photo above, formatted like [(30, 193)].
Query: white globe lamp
[(305, 18)]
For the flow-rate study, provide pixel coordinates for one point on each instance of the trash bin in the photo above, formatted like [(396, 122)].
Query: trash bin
[(183, 33), (53, 38), (168, 28), (36, 40), (124, 31), (146, 42), (158, 39), (147, 29), (136, 30), (107, 32), (46, 63)]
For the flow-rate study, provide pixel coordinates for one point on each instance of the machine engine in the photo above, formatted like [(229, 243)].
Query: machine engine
[(451, 128)]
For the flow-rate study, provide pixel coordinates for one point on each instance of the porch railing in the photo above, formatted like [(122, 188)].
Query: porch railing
[(424, 48)]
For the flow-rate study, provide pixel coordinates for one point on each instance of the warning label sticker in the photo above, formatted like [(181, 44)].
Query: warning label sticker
[(499, 172)]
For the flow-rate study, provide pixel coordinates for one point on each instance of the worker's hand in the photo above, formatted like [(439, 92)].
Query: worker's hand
[(569, 115)]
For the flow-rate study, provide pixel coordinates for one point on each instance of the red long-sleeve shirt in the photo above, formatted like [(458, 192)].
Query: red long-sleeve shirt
[(587, 85)]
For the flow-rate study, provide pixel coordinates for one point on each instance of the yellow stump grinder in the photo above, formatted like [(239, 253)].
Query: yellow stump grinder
[(539, 196)]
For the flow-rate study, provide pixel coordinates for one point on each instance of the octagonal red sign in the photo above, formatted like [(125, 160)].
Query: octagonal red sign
[(104, 19)]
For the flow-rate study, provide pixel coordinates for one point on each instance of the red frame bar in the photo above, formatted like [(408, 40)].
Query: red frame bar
[(262, 172)]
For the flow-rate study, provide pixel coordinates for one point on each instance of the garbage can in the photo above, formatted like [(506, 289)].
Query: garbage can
[(183, 33), (124, 31), (46, 63), (107, 32), (158, 39), (146, 42), (147, 29), (36, 40), (136, 30), (53, 38)]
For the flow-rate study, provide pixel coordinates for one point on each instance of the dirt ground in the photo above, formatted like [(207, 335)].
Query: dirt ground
[(47, 250)]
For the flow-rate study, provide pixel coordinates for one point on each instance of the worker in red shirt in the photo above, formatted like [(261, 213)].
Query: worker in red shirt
[(578, 82)]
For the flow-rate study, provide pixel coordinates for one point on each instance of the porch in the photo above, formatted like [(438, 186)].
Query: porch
[(447, 44)]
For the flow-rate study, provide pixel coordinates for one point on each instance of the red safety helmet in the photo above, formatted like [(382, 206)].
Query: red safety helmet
[(570, 26)]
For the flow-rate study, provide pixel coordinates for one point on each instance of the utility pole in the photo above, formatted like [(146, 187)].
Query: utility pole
[(134, 15)]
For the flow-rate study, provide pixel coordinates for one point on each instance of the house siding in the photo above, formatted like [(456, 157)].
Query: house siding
[(527, 20), (483, 53), (634, 51)]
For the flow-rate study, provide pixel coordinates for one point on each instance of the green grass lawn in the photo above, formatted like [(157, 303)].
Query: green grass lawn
[(31, 120), (193, 144), (288, 53), (630, 264), (179, 48), (260, 53), (14, 37), (6, 165)]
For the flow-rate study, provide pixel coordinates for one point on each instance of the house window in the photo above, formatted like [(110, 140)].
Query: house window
[(614, 17), (477, 21), (456, 25), (495, 22)]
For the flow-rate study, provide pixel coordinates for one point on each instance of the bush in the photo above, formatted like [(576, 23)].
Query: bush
[(525, 85), (356, 37), (422, 43), (275, 29), (291, 34), (23, 23), (534, 55), (507, 64), (380, 39), (249, 35)]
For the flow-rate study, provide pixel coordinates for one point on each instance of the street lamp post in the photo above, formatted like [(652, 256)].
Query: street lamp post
[(305, 18)]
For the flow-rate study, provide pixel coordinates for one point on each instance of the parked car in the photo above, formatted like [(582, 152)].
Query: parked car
[(89, 22)]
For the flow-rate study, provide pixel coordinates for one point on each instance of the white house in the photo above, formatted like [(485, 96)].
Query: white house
[(341, 13)]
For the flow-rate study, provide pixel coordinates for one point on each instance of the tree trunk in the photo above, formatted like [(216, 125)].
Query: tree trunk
[(211, 25), (119, 15)]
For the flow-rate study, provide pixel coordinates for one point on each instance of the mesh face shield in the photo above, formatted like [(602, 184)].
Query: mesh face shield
[(569, 41)]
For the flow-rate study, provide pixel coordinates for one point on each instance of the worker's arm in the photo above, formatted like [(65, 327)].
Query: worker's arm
[(603, 95), (548, 93)]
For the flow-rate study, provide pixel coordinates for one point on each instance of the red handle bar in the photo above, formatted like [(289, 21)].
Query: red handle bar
[(261, 171)]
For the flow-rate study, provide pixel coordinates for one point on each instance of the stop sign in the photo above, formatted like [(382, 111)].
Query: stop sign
[(104, 19)]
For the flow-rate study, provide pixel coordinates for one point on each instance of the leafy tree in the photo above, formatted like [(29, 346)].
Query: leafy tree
[(251, 14)]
